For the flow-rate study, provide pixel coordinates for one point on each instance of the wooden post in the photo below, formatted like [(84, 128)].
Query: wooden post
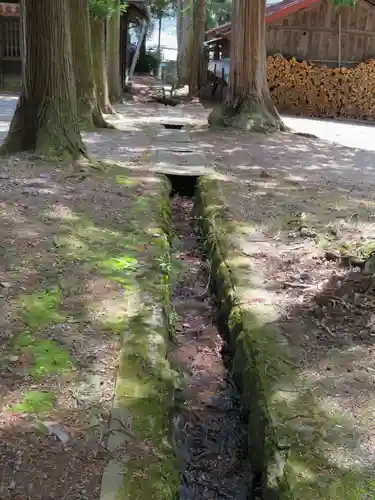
[(222, 84), (138, 49), (22, 35), (339, 47), (122, 61), (214, 85), (2, 52)]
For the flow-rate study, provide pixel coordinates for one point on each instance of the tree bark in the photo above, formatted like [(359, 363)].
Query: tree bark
[(45, 120), (196, 48), (185, 37), (23, 36), (248, 104), (113, 53), (160, 20), (100, 64), (89, 114), (179, 21)]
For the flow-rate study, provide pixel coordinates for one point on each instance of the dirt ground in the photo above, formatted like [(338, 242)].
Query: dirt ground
[(71, 249), (304, 213)]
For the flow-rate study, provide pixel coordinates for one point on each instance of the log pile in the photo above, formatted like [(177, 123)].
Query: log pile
[(313, 90)]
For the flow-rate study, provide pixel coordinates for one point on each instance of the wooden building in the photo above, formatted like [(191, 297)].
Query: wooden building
[(313, 30), (321, 58), (10, 43), (136, 14)]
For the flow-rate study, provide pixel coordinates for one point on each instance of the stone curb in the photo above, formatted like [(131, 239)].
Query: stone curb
[(143, 463), (282, 435)]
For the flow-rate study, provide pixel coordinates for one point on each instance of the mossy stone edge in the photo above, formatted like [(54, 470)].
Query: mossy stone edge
[(146, 466), (283, 435)]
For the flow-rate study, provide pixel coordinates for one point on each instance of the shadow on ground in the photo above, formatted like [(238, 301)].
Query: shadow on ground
[(77, 253), (298, 211)]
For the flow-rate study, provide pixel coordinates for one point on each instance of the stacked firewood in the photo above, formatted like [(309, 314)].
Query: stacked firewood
[(316, 90)]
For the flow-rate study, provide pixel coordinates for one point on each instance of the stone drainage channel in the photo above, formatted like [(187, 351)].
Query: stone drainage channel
[(209, 430)]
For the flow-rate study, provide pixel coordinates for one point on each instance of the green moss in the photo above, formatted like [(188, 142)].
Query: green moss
[(148, 477), (37, 402), (46, 357), (144, 390), (41, 309), (146, 381), (126, 180)]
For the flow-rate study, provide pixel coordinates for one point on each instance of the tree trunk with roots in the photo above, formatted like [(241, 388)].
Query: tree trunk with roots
[(100, 64), (45, 120), (89, 113), (196, 48), (113, 53), (248, 104)]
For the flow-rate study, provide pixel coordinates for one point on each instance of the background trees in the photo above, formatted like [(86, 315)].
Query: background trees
[(217, 12), (161, 9), (46, 119), (193, 18), (89, 113), (113, 52), (65, 81), (99, 11), (63, 90)]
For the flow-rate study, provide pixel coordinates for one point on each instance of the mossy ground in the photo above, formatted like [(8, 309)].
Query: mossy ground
[(81, 268), (310, 409)]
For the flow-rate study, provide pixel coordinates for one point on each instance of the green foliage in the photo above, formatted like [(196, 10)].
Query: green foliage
[(161, 8), (37, 402), (148, 62), (104, 8), (217, 12), (343, 3)]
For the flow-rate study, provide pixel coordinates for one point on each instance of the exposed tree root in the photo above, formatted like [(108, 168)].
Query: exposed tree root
[(50, 134), (249, 114)]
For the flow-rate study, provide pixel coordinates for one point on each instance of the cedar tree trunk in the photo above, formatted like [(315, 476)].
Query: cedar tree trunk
[(100, 65), (248, 104), (45, 120), (196, 47), (89, 114), (185, 30), (113, 53)]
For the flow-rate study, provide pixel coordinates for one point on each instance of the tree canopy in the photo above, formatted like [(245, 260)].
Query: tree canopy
[(218, 12), (103, 8)]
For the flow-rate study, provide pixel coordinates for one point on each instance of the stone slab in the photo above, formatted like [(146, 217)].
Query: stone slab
[(170, 135), (112, 480), (181, 163)]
